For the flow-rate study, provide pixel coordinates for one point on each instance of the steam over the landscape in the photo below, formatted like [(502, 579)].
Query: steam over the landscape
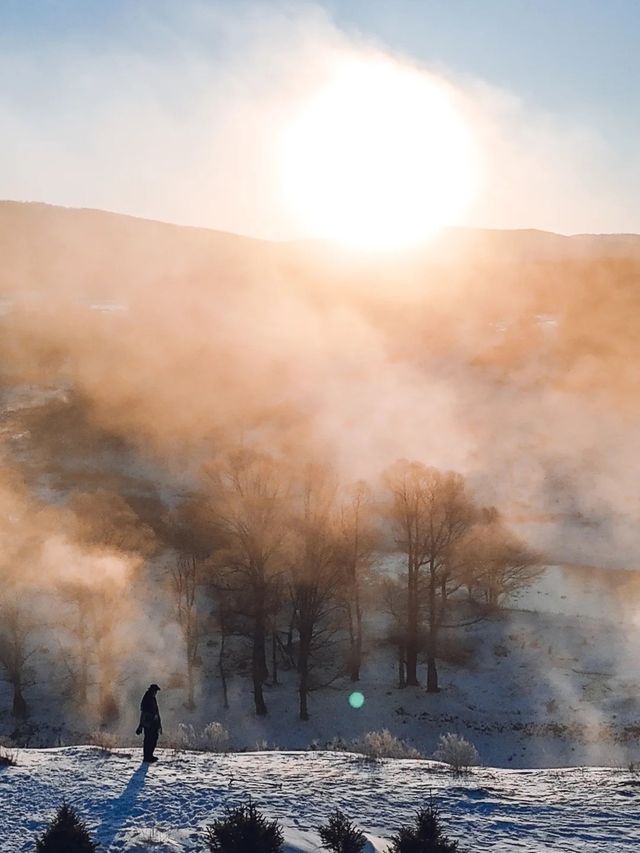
[(195, 424), (507, 357), (137, 355)]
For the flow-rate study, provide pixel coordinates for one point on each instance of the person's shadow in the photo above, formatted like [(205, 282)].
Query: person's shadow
[(118, 810)]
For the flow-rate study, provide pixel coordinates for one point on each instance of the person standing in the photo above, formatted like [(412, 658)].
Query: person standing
[(150, 723)]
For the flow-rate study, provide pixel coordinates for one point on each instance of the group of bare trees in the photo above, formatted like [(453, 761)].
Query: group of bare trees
[(279, 560), (281, 566), (289, 557), (448, 543), (16, 650)]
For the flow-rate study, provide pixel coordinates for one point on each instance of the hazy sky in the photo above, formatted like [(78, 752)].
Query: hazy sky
[(165, 109)]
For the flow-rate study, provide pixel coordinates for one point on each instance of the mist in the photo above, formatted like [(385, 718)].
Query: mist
[(136, 355)]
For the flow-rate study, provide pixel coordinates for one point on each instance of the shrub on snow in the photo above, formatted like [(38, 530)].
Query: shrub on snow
[(105, 741), (245, 829), (213, 738), (383, 744), (340, 835), (184, 737), (336, 744), (151, 838), (8, 757), (457, 752), (425, 836), (66, 834)]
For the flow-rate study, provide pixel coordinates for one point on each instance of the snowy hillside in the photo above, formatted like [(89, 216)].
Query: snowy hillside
[(131, 807), (528, 689)]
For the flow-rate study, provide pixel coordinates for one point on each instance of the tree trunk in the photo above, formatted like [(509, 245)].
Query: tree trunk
[(223, 675), (492, 594), (356, 644), (412, 644), (432, 647), (109, 709), (274, 656), (259, 666), (432, 674), (402, 679), (190, 703), (82, 687), (304, 691), (303, 668), (290, 634), (83, 678), (411, 662), (19, 710), (108, 704)]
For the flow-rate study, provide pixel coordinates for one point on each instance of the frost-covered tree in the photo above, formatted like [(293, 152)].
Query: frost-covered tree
[(456, 751), (185, 577), (248, 506), (357, 542), (393, 596), (495, 562), (316, 575), (430, 513)]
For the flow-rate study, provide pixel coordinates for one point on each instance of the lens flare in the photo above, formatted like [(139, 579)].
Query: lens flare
[(356, 699), (381, 156)]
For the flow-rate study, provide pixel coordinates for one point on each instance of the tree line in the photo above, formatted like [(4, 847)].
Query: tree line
[(284, 567)]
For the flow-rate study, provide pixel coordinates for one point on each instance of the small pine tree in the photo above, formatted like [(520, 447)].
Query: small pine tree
[(426, 836), (340, 835), (66, 834), (245, 830)]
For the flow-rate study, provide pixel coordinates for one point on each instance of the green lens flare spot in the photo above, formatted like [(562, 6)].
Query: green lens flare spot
[(356, 699)]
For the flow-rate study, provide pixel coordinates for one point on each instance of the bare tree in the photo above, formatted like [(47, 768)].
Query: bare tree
[(76, 623), (222, 618), (105, 522), (496, 563), (185, 578), (357, 543), (317, 575), (393, 595), (110, 537), (16, 629), (98, 610), (248, 504), (105, 612), (430, 513)]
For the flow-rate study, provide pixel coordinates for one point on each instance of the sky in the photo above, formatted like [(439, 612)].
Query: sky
[(167, 109)]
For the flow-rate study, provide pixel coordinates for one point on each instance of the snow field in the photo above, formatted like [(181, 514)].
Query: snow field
[(164, 808)]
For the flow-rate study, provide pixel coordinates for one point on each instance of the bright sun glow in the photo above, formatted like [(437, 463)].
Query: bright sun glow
[(380, 157)]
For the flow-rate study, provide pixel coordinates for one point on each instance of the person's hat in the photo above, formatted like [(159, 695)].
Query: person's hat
[(153, 687)]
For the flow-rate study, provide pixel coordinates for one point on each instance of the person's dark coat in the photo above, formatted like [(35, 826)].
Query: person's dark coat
[(149, 712), (150, 722)]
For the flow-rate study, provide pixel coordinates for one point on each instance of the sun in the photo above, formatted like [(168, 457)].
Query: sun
[(380, 156)]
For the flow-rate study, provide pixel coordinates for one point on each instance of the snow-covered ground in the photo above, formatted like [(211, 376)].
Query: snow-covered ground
[(164, 808)]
